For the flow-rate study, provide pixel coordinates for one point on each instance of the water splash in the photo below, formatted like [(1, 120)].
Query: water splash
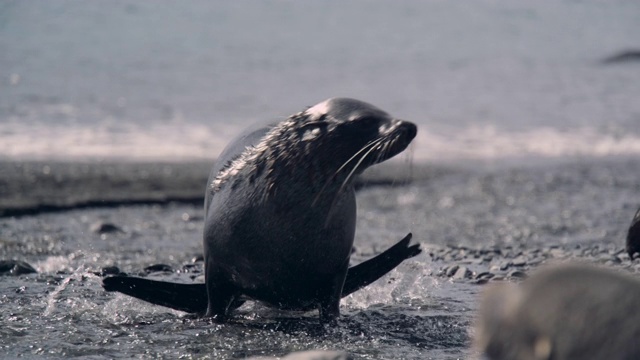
[(79, 274)]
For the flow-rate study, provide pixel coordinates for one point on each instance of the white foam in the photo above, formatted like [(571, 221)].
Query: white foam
[(168, 141), (179, 140), (490, 143)]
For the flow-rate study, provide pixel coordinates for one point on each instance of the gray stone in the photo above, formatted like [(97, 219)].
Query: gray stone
[(519, 261), (461, 273), (310, 355)]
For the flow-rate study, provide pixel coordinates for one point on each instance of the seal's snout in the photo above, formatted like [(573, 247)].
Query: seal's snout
[(409, 129), (404, 128)]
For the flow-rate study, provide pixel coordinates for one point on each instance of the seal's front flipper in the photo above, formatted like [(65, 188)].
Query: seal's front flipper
[(191, 298), (371, 270)]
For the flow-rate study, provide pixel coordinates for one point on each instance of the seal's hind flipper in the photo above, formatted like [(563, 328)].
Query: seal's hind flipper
[(191, 298), (371, 270)]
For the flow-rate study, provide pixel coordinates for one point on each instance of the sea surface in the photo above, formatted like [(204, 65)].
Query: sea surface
[(168, 80), (531, 138)]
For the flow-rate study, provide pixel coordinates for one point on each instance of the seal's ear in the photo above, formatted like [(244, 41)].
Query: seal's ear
[(317, 112)]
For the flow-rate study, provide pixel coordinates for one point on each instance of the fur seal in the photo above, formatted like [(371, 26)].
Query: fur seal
[(280, 215), (569, 311), (633, 236)]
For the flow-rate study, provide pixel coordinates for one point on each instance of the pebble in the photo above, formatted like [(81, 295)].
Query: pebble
[(191, 268), (519, 261), (158, 268), (513, 262), (517, 274), (310, 355)]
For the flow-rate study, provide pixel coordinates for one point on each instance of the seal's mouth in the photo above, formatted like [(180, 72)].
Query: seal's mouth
[(390, 141)]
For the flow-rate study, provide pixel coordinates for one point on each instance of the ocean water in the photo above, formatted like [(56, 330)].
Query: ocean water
[(531, 144), (169, 81)]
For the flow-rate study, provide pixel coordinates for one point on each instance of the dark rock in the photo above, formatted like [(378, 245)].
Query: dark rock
[(484, 275), (451, 270), (105, 228), (517, 274), (15, 267), (109, 270)]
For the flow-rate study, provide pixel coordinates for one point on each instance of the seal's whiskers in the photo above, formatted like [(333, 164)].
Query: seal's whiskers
[(366, 147), (374, 146)]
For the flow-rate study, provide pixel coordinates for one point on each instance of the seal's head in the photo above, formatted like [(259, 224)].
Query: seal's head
[(354, 132), (339, 138), (322, 147)]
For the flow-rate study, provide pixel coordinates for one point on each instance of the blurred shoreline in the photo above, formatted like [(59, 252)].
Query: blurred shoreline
[(31, 187)]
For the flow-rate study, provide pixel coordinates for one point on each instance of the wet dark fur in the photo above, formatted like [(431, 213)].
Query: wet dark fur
[(633, 236), (280, 211)]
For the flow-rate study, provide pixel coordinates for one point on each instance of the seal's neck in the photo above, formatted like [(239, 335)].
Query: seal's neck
[(287, 159)]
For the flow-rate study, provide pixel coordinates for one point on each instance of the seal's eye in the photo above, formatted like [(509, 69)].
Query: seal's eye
[(312, 130), (367, 122)]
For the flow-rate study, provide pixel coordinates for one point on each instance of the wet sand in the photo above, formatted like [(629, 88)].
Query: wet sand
[(35, 187)]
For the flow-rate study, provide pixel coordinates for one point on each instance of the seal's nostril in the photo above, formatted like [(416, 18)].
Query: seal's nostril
[(410, 129)]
